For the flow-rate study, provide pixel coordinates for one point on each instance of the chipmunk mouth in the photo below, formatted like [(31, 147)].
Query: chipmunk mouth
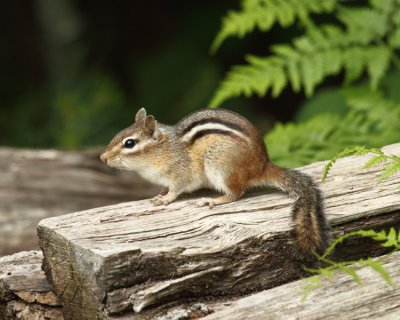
[(118, 163)]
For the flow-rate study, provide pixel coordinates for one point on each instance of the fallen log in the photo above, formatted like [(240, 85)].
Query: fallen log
[(134, 256), (36, 184), (25, 293), (339, 298)]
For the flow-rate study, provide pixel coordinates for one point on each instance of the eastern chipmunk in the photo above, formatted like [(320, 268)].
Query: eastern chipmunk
[(221, 150)]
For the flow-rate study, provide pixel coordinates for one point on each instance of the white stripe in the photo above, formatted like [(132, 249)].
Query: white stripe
[(211, 126)]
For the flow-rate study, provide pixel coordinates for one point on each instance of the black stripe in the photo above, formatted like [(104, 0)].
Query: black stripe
[(205, 132), (214, 120)]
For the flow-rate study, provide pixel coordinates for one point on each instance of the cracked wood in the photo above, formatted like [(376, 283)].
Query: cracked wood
[(134, 256)]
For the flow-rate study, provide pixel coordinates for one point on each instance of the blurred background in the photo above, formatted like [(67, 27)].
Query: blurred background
[(75, 72)]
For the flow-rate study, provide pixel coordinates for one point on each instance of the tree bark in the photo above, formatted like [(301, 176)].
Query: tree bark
[(339, 298), (25, 293)]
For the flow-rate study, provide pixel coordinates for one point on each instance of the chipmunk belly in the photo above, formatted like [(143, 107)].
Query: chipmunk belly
[(155, 176)]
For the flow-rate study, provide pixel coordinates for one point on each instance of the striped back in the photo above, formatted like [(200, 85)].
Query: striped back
[(213, 121)]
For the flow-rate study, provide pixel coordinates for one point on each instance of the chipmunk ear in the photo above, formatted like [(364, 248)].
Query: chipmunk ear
[(149, 125), (140, 115)]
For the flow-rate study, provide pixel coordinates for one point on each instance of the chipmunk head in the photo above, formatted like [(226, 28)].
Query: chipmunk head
[(125, 149)]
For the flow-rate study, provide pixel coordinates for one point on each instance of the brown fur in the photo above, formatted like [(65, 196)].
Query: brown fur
[(217, 149)]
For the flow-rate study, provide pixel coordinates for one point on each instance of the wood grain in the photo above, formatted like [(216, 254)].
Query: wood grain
[(134, 256), (340, 298), (36, 184), (24, 290)]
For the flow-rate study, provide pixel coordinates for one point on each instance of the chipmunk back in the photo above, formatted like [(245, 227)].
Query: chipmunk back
[(221, 150)]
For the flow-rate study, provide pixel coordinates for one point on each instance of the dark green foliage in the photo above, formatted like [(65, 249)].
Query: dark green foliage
[(263, 14), (77, 112), (363, 42), (75, 73), (359, 44), (370, 121)]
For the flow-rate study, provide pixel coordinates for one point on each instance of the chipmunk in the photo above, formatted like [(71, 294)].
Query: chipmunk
[(220, 150)]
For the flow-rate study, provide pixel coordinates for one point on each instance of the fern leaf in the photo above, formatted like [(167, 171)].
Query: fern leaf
[(333, 60), (377, 266), (377, 64), (389, 171), (326, 272), (380, 236), (285, 51), (358, 150), (394, 39), (263, 14), (314, 283), (305, 64), (286, 14), (353, 65), (294, 76), (374, 161), (396, 16), (391, 239), (308, 79), (279, 83), (365, 21), (351, 272), (385, 6)]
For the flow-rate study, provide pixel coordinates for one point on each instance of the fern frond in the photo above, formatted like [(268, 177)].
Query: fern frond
[(306, 63), (377, 60), (376, 160), (263, 14), (354, 151), (365, 21), (377, 266), (390, 170), (394, 39), (385, 6), (392, 239), (351, 272), (352, 64), (322, 51), (371, 121)]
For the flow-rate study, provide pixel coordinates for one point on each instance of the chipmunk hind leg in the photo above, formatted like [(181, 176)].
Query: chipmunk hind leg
[(223, 175)]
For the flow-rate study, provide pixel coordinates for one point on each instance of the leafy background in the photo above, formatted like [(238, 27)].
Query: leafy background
[(358, 45), (322, 74)]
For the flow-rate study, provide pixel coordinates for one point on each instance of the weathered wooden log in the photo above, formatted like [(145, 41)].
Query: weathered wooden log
[(134, 256), (340, 298), (25, 293), (36, 184)]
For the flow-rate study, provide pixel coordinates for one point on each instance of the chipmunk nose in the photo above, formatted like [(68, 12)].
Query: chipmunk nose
[(103, 157)]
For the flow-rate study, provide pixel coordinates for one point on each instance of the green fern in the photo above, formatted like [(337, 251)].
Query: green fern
[(389, 240), (364, 44), (263, 14), (358, 150), (380, 157), (371, 121)]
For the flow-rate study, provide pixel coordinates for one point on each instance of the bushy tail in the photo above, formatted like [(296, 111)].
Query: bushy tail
[(310, 226)]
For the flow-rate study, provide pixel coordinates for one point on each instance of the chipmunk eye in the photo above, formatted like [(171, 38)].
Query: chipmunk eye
[(129, 144)]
